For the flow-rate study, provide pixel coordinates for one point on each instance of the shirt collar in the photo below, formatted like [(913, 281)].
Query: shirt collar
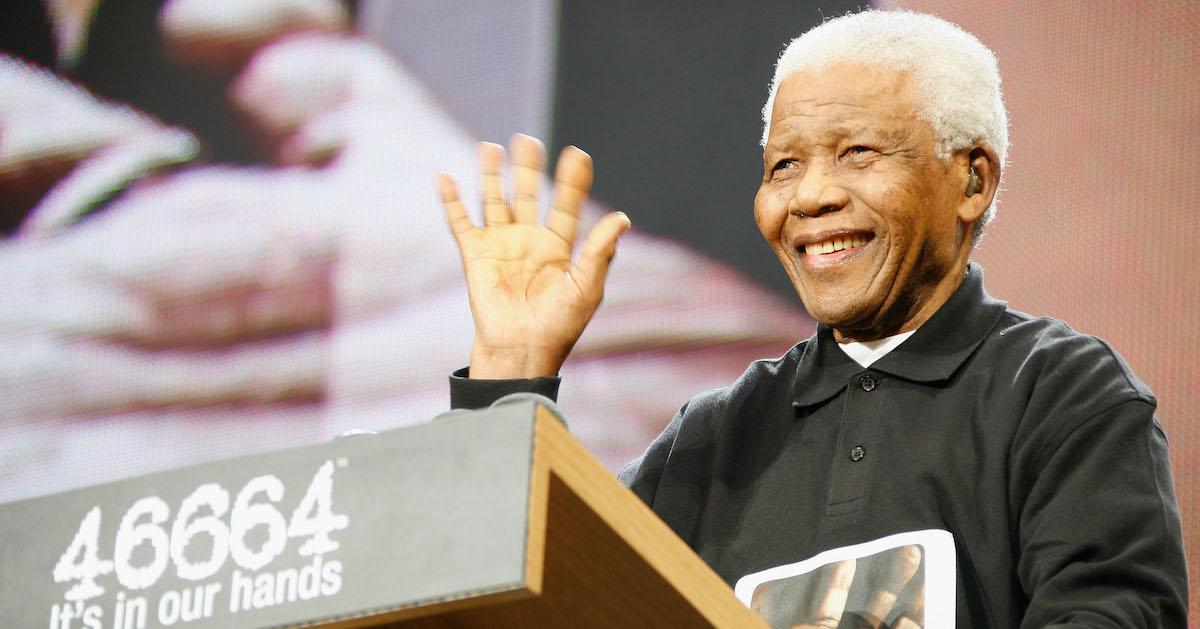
[(933, 353)]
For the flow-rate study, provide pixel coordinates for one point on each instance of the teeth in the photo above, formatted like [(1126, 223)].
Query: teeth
[(835, 244)]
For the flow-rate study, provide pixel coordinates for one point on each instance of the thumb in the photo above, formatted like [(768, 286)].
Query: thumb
[(598, 251)]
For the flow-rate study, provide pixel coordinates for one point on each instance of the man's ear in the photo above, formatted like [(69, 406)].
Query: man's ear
[(981, 180)]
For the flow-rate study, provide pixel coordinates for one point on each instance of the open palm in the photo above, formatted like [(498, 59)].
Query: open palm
[(529, 300)]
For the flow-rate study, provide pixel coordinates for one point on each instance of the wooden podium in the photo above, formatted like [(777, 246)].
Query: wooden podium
[(595, 556), (492, 518)]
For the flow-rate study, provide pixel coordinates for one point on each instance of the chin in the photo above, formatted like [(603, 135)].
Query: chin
[(835, 313)]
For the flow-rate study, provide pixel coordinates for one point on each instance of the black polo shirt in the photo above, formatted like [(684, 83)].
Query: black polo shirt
[(1034, 446)]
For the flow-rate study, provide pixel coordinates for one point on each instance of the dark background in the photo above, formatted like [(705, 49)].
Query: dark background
[(666, 97)]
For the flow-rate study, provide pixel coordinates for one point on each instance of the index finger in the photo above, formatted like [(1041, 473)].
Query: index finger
[(914, 618), (840, 576), (572, 180), (905, 562)]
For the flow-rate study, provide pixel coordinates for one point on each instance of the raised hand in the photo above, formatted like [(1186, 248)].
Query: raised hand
[(530, 302)]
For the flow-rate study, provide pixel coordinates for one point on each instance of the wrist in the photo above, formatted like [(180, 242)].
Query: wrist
[(510, 363)]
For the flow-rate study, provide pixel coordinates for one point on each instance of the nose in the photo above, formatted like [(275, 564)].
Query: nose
[(817, 193)]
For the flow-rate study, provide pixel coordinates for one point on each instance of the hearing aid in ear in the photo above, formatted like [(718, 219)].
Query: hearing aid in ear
[(973, 184)]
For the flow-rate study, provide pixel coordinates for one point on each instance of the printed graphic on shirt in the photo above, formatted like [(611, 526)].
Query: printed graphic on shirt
[(903, 581)]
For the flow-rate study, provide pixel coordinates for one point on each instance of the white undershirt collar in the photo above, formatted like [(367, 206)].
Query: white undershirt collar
[(867, 352)]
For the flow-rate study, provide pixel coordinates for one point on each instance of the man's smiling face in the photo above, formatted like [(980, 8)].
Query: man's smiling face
[(869, 224)]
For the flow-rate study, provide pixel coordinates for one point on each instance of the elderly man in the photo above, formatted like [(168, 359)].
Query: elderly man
[(928, 457)]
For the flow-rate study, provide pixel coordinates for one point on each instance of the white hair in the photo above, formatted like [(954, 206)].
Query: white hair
[(956, 76)]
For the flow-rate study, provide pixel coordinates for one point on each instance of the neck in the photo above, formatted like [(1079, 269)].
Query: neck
[(922, 304)]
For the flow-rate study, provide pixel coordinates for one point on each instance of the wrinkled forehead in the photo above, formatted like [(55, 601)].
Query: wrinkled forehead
[(847, 97)]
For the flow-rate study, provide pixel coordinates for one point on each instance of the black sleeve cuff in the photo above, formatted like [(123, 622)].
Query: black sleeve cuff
[(468, 393)]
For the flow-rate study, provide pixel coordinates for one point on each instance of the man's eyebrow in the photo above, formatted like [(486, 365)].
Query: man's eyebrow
[(780, 143), (786, 132), (877, 133)]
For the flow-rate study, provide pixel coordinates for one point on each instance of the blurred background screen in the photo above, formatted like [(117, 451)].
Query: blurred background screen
[(220, 234)]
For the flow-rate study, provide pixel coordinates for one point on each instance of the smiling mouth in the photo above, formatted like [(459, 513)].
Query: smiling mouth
[(835, 244)]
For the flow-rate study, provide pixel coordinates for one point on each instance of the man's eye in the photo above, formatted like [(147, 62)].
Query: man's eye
[(784, 164), (859, 150)]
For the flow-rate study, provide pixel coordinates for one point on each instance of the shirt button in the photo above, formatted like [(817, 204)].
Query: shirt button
[(868, 383), (857, 454)]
